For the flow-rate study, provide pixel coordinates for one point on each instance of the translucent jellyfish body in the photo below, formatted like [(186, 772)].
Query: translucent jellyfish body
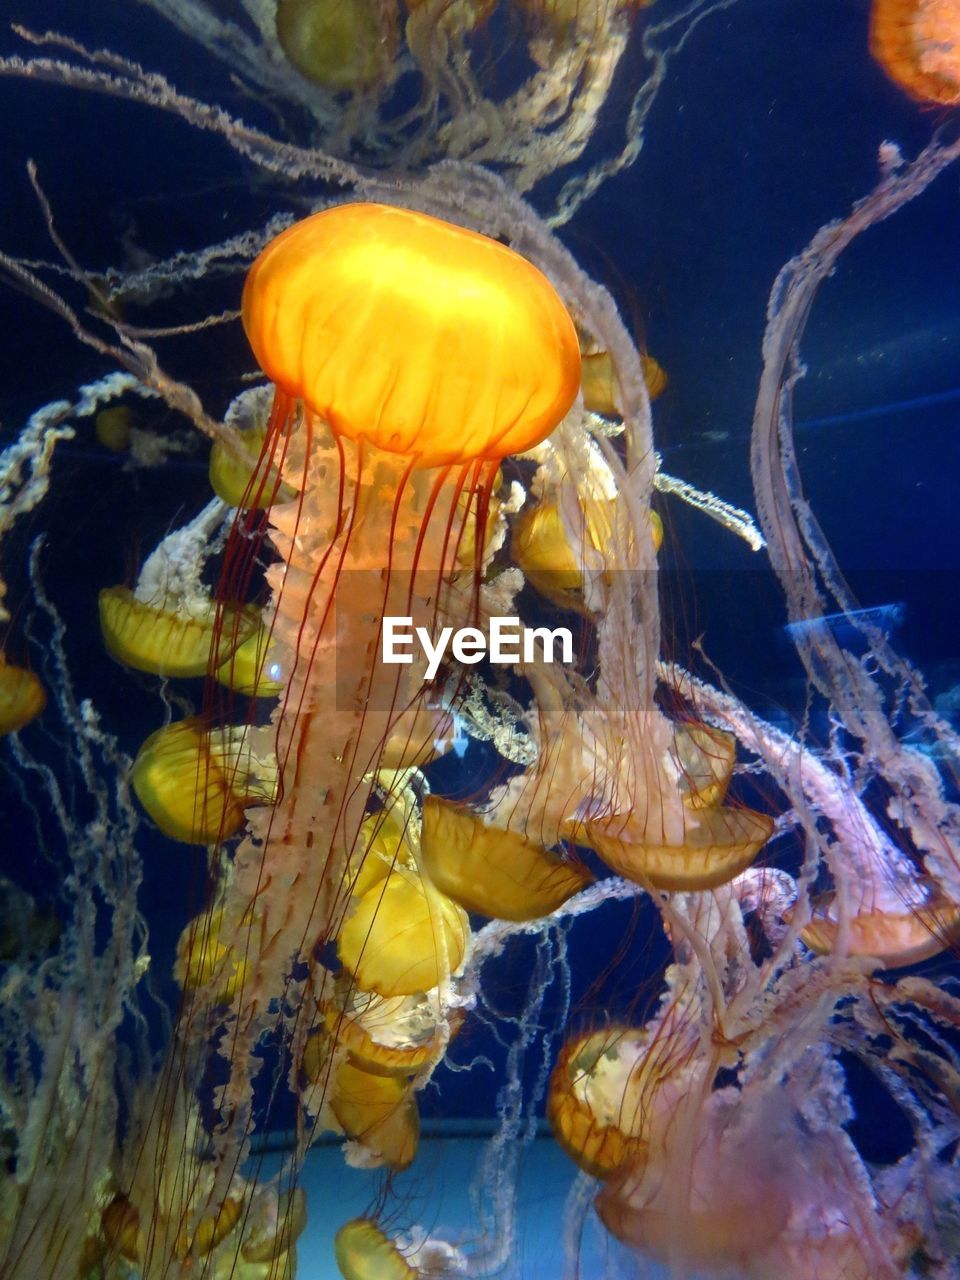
[(917, 42)]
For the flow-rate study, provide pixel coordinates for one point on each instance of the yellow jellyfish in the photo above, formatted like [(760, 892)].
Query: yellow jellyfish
[(363, 1252), (612, 1091), (390, 1037), (22, 697), (339, 44), (205, 962), (196, 783), (270, 1242), (494, 872), (917, 42), (599, 382), (253, 669), (210, 1231), (541, 547), (706, 757), (113, 426), (120, 1225), (238, 481), (592, 1105), (171, 642), (377, 1111), (402, 936), (713, 846)]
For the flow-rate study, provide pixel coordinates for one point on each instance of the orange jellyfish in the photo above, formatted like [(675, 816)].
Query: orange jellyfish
[(421, 337), (917, 42), (408, 357)]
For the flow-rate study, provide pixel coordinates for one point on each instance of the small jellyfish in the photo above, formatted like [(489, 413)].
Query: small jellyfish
[(170, 641), (22, 696), (402, 936), (205, 962), (253, 669), (196, 784), (492, 871), (600, 393), (712, 847), (364, 1252), (113, 427), (894, 934), (541, 547), (339, 44), (237, 480)]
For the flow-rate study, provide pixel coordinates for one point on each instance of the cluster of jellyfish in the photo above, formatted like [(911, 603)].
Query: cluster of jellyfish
[(450, 413)]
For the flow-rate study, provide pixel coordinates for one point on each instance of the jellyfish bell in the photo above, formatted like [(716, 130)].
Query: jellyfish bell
[(408, 356), (895, 935), (196, 782), (22, 696), (170, 640), (113, 427), (695, 849), (236, 479), (492, 871), (415, 335), (600, 391), (339, 45), (364, 1252), (918, 45), (758, 1192)]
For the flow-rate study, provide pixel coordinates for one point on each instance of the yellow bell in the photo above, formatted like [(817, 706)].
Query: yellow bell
[(339, 44), (706, 757), (238, 481), (168, 642), (379, 1112), (599, 384), (252, 669), (596, 1096), (894, 938), (22, 697), (363, 1252), (490, 871), (205, 961), (717, 844), (196, 783), (402, 936)]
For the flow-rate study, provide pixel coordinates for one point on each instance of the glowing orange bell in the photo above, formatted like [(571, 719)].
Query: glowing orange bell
[(918, 45), (415, 335)]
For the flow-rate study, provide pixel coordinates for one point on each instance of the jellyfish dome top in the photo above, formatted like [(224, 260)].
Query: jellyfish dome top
[(402, 723), (418, 336)]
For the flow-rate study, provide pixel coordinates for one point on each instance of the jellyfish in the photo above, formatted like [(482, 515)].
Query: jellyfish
[(338, 46), (408, 357), (916, 44), (427, 354), (429, 450), (22, 696)]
